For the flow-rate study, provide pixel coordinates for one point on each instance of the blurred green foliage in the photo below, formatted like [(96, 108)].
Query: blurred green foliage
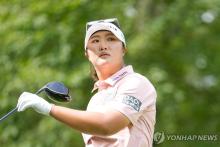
[(174, 43)]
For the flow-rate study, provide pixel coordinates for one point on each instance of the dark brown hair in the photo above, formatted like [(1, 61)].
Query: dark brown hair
[(93, 73)]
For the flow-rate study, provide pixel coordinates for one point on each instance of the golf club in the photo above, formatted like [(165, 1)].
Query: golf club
[(56, 91)]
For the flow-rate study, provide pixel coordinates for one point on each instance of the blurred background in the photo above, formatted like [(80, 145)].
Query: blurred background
[(176, 44)]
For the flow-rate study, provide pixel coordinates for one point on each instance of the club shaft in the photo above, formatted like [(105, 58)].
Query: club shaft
[(8, 114)]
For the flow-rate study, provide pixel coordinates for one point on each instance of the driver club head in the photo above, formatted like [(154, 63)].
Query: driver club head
[(56, 91)]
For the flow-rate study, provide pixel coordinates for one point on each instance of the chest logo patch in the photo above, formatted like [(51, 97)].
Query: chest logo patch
[(132, 101)]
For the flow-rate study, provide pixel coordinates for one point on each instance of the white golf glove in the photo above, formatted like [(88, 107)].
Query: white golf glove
[(27, 100)]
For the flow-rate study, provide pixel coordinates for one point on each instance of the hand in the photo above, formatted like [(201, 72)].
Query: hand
[(27, 100)]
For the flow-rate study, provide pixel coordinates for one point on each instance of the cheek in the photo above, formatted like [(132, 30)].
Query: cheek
[(119, 53), (118, 47), (91, 56)]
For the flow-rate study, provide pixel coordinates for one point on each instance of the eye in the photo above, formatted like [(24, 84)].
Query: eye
[(94, 40), (111, 38)]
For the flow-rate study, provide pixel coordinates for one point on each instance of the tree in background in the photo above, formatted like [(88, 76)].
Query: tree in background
[(174, 43)]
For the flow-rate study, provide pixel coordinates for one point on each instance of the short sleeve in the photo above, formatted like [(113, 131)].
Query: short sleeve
[(135, 94)]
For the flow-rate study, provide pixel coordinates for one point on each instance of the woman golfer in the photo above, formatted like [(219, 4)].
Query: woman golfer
[(122, 112)]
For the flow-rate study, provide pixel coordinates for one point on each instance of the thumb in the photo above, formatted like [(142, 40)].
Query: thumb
[(23, 106)]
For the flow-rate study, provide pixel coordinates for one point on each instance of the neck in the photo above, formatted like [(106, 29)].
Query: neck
[(105, 72)]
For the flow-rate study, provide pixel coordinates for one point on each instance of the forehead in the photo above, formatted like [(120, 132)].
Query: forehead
[(102, 33)]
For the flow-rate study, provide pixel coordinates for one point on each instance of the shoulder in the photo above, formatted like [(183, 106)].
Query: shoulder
[(136, 80), (136, 87)]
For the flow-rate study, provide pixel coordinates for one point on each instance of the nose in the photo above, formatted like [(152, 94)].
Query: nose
[(103, 45)]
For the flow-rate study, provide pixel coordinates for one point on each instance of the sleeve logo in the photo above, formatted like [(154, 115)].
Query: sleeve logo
[(132, 101)]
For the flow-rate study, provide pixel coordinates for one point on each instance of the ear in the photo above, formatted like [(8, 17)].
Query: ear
[(86, 53), (124, 50)]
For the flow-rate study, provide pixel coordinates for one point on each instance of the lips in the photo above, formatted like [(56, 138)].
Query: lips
[(104, 54)]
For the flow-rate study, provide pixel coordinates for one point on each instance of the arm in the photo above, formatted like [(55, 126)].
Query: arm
[(94, 123)]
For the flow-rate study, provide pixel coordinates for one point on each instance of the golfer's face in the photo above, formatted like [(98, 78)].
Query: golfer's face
[(104, 48)]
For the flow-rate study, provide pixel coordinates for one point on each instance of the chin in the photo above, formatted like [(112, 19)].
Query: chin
[(103, 63)]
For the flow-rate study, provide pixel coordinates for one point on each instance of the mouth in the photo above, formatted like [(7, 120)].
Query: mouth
[(104, 55)]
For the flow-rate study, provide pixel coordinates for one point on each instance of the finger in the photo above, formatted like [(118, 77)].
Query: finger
[(22, 100), (23, 106)]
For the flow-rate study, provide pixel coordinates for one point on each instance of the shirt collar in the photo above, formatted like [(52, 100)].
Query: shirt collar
[(115, 77)]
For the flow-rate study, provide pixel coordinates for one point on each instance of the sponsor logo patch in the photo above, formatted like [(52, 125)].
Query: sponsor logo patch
[(132, 101)]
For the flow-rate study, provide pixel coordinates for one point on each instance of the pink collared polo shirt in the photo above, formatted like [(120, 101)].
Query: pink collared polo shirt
[(134, 96)]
